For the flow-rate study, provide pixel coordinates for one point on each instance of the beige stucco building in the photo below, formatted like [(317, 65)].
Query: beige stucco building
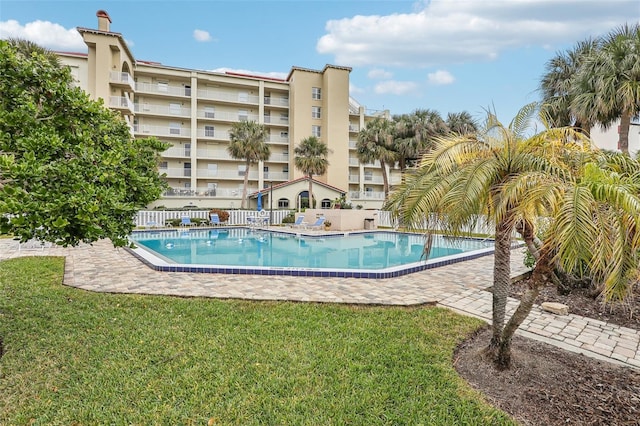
[(193, 111)]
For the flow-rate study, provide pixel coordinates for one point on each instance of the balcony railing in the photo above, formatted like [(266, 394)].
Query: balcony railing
[(175, 172), (278, 139), (279, 157), (177, 152), (354, 162), (276, 176), (225, 174), (354, 128), (227, 116), (121, 102), (352, 144), (218, 95), (214, 153), (162, 110), (270, 100), (366, 195), (161, 130), (276, 120), (354, 178), (122, 78), (162, 89), (205, 192)]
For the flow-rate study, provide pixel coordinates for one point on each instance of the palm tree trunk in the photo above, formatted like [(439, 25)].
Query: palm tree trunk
[(385, 179), (243, 204), (623, 137), (501, 281)]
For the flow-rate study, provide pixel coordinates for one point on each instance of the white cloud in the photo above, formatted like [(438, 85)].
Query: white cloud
[(201, 35), (439, 32), (355, 90), (379, 74), (44, 33), (440, 78), (395, 87), (271, 74)]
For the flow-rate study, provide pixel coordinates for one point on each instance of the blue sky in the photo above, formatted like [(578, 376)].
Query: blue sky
[(447, 55)]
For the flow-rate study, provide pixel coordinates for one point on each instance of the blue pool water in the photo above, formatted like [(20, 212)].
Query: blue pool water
[(245, 250)]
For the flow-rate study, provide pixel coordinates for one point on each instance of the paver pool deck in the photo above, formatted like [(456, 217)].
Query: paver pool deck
[(461, 287)]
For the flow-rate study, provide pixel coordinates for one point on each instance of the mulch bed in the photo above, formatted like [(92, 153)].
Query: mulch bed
[(549, 386)]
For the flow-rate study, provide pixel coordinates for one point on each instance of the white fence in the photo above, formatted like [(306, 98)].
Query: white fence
[(146, 218)]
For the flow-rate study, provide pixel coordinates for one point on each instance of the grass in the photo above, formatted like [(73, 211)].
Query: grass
[(76, 357)]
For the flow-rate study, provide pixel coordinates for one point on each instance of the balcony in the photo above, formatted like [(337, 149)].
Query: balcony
[(354, 128), (276, 176), (227, 116), (219, 154), (278, 139), (161, 131), (121, 103), (354, 179), (162, 110), (225, 174), (122, 79), (177, 152), (352, 144), (279, 157), (366, 195), (282, 121), (213, 134), (222, 96), (270, 100), (162, 89), (354, 162), (175, 172)]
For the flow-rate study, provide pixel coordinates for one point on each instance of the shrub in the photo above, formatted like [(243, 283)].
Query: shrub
[(290, 218), (222, 214)]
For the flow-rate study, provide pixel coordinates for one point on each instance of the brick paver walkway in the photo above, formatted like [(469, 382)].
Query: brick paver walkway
[(460, 287)]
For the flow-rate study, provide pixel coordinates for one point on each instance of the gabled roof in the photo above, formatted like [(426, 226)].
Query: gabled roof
[(293, 182)]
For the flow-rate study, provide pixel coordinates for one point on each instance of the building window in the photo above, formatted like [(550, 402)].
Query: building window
[(162, 165), (212, 169), (265, 169), (209, 131), (267, 117), (187, 90), (283, 203), (175, 109), (163, 86), (316, 93), (243, 97), (316, 112), (284, 117), (209, 112), (174, 128), (187, 150), (243, 115), (284, 136), (187, 169), (315, 131), (285, 169), (325, 204), (368, 175), (242, 169)]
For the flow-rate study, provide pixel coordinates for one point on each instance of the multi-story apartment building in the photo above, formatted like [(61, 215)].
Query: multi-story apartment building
[(193, 111)]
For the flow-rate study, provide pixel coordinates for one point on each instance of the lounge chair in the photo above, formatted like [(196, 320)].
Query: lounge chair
[(215, 219), (186, 221), (319, 224), (299, 223)]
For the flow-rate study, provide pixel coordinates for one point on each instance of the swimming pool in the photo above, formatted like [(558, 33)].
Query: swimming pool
[(379, 254)]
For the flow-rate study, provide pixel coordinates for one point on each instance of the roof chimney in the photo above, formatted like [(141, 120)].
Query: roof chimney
[(103, 20)]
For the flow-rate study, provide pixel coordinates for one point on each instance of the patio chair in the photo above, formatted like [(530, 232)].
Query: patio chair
[(186, 221), (319, 224), (299, 223), (215, 219)]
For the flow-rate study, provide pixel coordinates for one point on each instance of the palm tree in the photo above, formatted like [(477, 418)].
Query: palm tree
[(557, 82), (311, 159), (607, 85), (414, 134), (461, 123), (376, 142), (28, 48), (248, 144), (465, 177)]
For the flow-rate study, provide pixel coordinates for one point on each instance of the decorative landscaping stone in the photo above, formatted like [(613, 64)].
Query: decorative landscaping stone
[(556, 308)]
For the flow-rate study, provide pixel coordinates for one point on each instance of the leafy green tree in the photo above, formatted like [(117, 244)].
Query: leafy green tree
[(70, 170), (607, 85), (376, 142), (490, 175), (311, 159), (248, 143)]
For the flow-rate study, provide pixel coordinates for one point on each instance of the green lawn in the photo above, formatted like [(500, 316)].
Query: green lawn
[(76, 357)]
